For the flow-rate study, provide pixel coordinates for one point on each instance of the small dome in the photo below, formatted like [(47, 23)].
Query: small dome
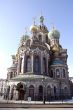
[(55, 48), (54, 34), (33, 28), (24, 37)]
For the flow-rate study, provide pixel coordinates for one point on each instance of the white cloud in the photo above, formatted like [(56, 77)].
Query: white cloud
[(70, 70)]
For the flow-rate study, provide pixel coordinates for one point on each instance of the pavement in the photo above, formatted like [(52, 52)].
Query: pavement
[(36, 109), (35, 104)]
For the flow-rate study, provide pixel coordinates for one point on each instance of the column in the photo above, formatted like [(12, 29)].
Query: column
[(47, 64), (22, 65), (19, 66), (41, 63), (32, 63)]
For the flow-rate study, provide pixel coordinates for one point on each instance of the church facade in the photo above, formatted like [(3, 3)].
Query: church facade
[(39, 68)]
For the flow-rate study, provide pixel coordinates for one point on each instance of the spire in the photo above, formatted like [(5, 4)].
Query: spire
[(34, 20)]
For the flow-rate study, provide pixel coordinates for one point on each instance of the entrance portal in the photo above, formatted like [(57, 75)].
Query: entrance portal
[(21, 91), (40, 92)]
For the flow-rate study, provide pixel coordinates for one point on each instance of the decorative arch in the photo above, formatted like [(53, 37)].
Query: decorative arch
[(57, 73), (37, 64), (28, 64), (48, 92), (46, 39), (40, 92), (44, 65), (65, 92), (51, 74), (55, 90), (21, 91), (64, 73), (11, 74), (31, 92), (40, 37)]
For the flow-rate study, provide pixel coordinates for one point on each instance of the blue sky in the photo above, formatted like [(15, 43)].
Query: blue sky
[(15, 15)]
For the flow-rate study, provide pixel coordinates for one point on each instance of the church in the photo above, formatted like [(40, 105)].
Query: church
[(39, 68)]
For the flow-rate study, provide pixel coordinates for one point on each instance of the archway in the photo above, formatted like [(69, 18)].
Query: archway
[(48, 93), (40, 92), (65, 92), (21, 91), (31, 92)]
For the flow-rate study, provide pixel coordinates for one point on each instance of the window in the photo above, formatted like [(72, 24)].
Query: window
[(51, 74), (31, 91), (28, 64), (11, 74), (49, 90), (46, 39), (54, 90), (40, 38), (63, 73), (57, 73), (44, 65), (36, 64)]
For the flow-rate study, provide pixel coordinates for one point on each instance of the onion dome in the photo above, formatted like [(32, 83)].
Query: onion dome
[(54, 34), (55, 48), (33, 28), (42, 27), (24, 38)]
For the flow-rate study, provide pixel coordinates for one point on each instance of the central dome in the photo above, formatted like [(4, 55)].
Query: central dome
[(54, 33)]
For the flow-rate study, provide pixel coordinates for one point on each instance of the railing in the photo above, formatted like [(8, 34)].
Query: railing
[(37, 98)]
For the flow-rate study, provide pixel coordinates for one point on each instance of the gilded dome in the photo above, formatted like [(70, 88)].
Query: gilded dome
[(33, 28), (54, 33), (55, 48)]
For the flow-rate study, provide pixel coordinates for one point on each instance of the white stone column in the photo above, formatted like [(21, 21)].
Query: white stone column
[(19, 66), (22, 65), (47, 64)]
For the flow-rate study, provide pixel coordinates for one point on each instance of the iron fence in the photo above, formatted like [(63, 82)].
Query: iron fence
[(4, 97)]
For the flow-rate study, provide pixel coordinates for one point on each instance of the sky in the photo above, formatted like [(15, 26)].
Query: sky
[(16, 15)]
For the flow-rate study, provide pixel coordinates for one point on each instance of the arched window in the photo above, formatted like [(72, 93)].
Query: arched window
[(51, 74), (31, 92), (65, 92), (28, 64), (20, 64), (46, 39), (48, 92), (40, 92), (63, 73), (36, 64), (54, 90), (57, 73), (40, 38), (11, 74), (44, 65)]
